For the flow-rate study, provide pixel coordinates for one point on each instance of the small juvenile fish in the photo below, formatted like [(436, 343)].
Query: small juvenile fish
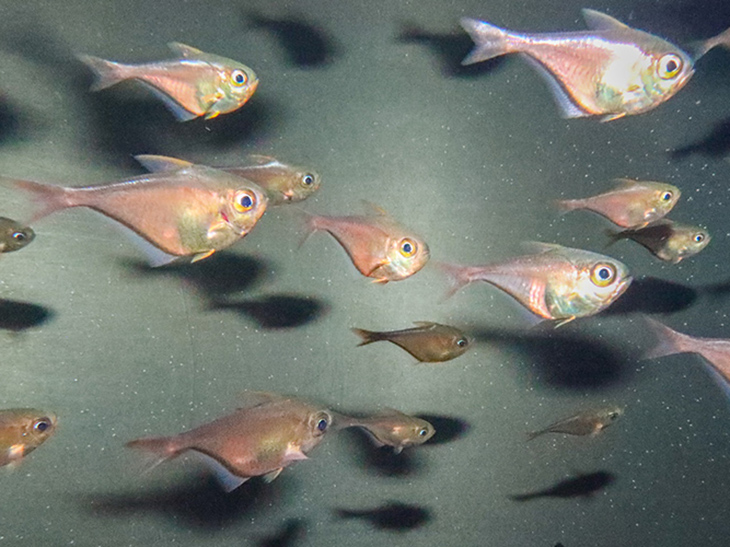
[(667, 240), (632, 204), (193, 211), (391, 428), (715, 351), (611, 70), (197, 84), (555, 283), (260, 439), (583, 485), (428, 342), (22, 430), (393, 516), (282, 183), (13, 235), (588, 422), (378, 246)]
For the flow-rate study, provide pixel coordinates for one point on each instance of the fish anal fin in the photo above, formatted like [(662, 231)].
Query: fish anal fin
[(567, 105), (272, 475), (228, 481), (564, 321), (202, 256), (611, 117)]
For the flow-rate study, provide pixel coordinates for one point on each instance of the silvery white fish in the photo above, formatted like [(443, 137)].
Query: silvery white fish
[(197, 84)]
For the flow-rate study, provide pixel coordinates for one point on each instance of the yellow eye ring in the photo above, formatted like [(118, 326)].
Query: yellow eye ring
[(244, 201), (669, 66), (407, 247), (603, 274), (238, 78)]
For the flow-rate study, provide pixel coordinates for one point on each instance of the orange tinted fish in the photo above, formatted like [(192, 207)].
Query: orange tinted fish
[(22, 430), (196, 84), (193, 211), (378, 246), (391, 428), (632, 204), (260, 439)]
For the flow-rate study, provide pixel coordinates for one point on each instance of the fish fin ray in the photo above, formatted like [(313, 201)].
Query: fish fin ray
[(596, 20), (457, 275), (177, 110), (185, 51), (667, 340), (269, 477), (106, 73), (367, 336), (46, 198), (566, 103), (161, 164), (490, 40)]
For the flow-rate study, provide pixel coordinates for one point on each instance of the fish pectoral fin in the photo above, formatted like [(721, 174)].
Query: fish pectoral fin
[(161, 164), (611, 117), (213, 114), (564, 321), (272, 475), (375, 268), (201, 256)]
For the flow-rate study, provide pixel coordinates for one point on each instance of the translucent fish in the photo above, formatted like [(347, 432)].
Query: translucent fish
[(588, 422), (611, 70), (196, 84), (391, 428), (378, 246), (13, 235), (632, 204), (554, 283), (428, 342), (668, 241), (193, 211), (263, 437), (22, 430)]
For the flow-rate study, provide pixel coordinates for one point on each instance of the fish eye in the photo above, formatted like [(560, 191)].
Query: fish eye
[(244, 201), (669, 66), (238, 77), (322, 424), (19, 236), (41, 425), (699, 238), (462, 342), (667, 196), (613, 415), (407, 247), (423, 432), (308, 180), (603, 274)]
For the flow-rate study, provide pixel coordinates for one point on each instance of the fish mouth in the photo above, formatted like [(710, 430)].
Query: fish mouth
[(620, 288)]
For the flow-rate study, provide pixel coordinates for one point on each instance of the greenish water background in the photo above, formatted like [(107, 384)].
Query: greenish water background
[(470, 160)]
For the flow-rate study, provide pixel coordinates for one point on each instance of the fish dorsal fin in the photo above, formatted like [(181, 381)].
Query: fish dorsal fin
[(251, 399), (425, 324), (261, 159), (539, 247), (374, 209), (595, 20), (185, 51), (625, 183), (161, 164)]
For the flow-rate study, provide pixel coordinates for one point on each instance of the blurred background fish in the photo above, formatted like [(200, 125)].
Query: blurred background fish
[(13, 235), (667, 240), (391, 428), (196, 84), (22, 430), (587, 422)]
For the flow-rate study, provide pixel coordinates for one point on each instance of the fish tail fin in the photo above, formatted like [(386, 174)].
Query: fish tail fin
[(491, 41), (309, 224), (567, 205), (367, 336), (458, 276), (534, 434), (614, 236), (106, 73), (669, 341), (700, 48), (46, 198)]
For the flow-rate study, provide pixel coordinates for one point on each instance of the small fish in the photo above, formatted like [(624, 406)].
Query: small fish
[(554, 283), (283, 183), (669, 241), (22, 430), (632, 204), (588, 422), (13, 235), (584, 485), (391, 428), (611, 70), (715, 351), (428, 342), (378, 246), (193, 211), (261, 438), (197, 84), (393, 516)]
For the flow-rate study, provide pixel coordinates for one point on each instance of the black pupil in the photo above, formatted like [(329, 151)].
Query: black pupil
[(41, 426), (238, 77), (20, 236), (667, 196), (672, 66), (461, 343), (246, 202), (322, 425), (308, 179), (699, 238), (407, 248), (604, 273), (423, 432)]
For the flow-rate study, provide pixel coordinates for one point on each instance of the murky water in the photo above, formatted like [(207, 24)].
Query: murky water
[(372, 96)]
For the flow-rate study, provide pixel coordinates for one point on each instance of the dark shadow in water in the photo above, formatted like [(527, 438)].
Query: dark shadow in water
[(450, 48), (215, 277), (382, 460), (680, 20), (291, 533), (563, 358), (306, 45), (200, 503), (278, 311), (18, 316), (715, 145), (394, 516), (12, 122), (579, 486), (448, 429), (651, 295)]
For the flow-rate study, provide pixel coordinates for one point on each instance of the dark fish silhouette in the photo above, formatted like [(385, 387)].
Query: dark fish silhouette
[(393, 516), (584, 485)]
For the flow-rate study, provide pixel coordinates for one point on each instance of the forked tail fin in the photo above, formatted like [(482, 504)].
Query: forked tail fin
[(106, 73), (668, 341), (46, 198), (458, 276), (491, 41)]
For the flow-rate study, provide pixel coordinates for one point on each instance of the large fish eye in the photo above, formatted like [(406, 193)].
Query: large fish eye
[(603, 274), (667, 196), (462, 342), (322, 424), (307, 180), (238, 77), (42, 425), (699, 238), (244, 201), (407, 247), (669, 66)]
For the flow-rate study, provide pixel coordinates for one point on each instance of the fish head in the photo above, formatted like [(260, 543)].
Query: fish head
[(243, 206), (237, 84), (37, 426), (421, 431), (610, 415), (690, 241), (668, 70), (406, 254), (662, 199), (13, 235), (317, 424), (301, 184)]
